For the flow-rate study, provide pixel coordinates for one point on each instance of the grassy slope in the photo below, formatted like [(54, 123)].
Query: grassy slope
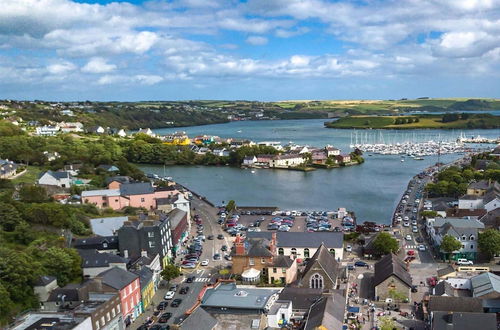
[(30, 176), (388, 122)]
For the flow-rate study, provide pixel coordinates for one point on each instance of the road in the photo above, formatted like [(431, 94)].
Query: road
[(202, 274)]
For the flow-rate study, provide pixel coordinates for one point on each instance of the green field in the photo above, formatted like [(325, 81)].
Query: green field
[(425, 121), (30, 176)]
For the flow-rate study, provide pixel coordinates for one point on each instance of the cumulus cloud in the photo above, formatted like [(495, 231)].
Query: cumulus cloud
[(98, 65), (256, 40), (61, 68), (142, 79)]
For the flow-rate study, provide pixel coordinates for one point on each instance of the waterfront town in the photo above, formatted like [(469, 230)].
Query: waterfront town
[(159, 256)]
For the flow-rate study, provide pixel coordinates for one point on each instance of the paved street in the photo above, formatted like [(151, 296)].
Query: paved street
[(202, 274)]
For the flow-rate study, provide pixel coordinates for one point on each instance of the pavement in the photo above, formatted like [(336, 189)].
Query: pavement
[(202, 274)]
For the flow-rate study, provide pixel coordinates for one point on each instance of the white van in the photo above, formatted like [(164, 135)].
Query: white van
[(464, 262)]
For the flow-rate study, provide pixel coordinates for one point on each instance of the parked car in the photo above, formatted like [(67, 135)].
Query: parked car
[(162, 305), (419, 239), (408, 237), (414, 229), (220, 236), (205, 262), (360, 263), (348, 248), (169, 295), (216, 256), (184, 290), (210, 237), (190, 279), (224, 248), (421, 247), (350, 267), (164, 317), (176, 302), (406, 224), (173, 288), (464, 262), (411, 253)]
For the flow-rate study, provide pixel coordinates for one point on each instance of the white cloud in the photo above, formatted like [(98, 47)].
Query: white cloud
[(256, 40), (61, 68), (98, 65), (141, 79)]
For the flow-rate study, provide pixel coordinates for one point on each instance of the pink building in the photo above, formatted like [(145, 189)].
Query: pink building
[(140, 194)]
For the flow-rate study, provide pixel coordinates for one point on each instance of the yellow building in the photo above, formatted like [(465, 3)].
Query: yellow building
[(147, 286), (177, 139)]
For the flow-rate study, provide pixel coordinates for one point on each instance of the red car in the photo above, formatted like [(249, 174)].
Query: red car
[(432, 281), (410, 253)]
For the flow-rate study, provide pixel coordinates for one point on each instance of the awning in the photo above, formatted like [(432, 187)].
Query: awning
[(353, 309)]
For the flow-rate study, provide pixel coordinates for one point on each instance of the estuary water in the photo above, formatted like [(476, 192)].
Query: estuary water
[(371, 190)]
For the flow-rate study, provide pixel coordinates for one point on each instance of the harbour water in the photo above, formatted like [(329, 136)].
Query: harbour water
[(371, 190)]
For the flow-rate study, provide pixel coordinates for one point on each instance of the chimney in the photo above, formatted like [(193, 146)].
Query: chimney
[(239, 246), (144, 253), (272, 247)]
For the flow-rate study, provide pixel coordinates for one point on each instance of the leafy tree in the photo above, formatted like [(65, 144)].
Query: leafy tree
[(231, 206), (450, 244), (62, 263), (384, 243), (386, 323), (6, 304), (18, 271), (489, 242), (170, 272), (429, 214), (33, 194), (9, 217)]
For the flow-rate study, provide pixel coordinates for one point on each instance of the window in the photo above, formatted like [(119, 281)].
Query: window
[(97, 326), (251, 261), (332, 251), (471, 238), (103, 322), (471, 246), (294, 251), (113, 312), (103, 198), (463, 246), (104, 245), (142, 200), (118, 308), (151, 244), (262, 260), (464, 238), (108, 317), (306, 253), (151, 234), (274, 270), (283, 270), (316, 281), (280, 251)]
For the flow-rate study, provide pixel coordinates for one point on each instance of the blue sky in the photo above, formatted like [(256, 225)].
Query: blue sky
[(253, 49)]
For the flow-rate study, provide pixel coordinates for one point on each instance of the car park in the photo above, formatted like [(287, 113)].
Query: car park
[(169, 295)]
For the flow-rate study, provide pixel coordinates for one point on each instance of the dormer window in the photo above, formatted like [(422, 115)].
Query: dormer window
[(471, 238), (464, 238)]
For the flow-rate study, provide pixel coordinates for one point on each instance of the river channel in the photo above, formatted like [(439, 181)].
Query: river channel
[(371, 190)]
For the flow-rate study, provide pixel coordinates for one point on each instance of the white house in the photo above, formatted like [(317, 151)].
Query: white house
[(183, 204), (59, 179), (331, 151), (280, 311), (249, 160), (275, 144), (465, 230), (71, 127), (121, 133), (470, 202), (221, 152), (146, 131), (47, 130), (286, 160), (491, 201)]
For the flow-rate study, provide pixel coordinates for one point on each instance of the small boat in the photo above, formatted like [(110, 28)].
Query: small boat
[(402, 160), (418, 158), (252, 171), (239, 131)]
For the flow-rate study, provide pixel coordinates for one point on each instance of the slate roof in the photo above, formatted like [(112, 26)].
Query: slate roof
[(117, 278), (458, 223), (489, 196), (484, 284), (483, 185), (256, 247), (282, 261), (301, 298), (463, 321), (491, 219), (327, 312), (96, 242), (138, 188), (119, 178), (70, 292), (197, 318), (107, 226), (443, 288), (389, 265), (455, 304), (175, 216), (445, 271), (145, 276), (101, 192), (470, 197), (44, 280), (93, 259), (303, 240), (325, 260), (56, 174)]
